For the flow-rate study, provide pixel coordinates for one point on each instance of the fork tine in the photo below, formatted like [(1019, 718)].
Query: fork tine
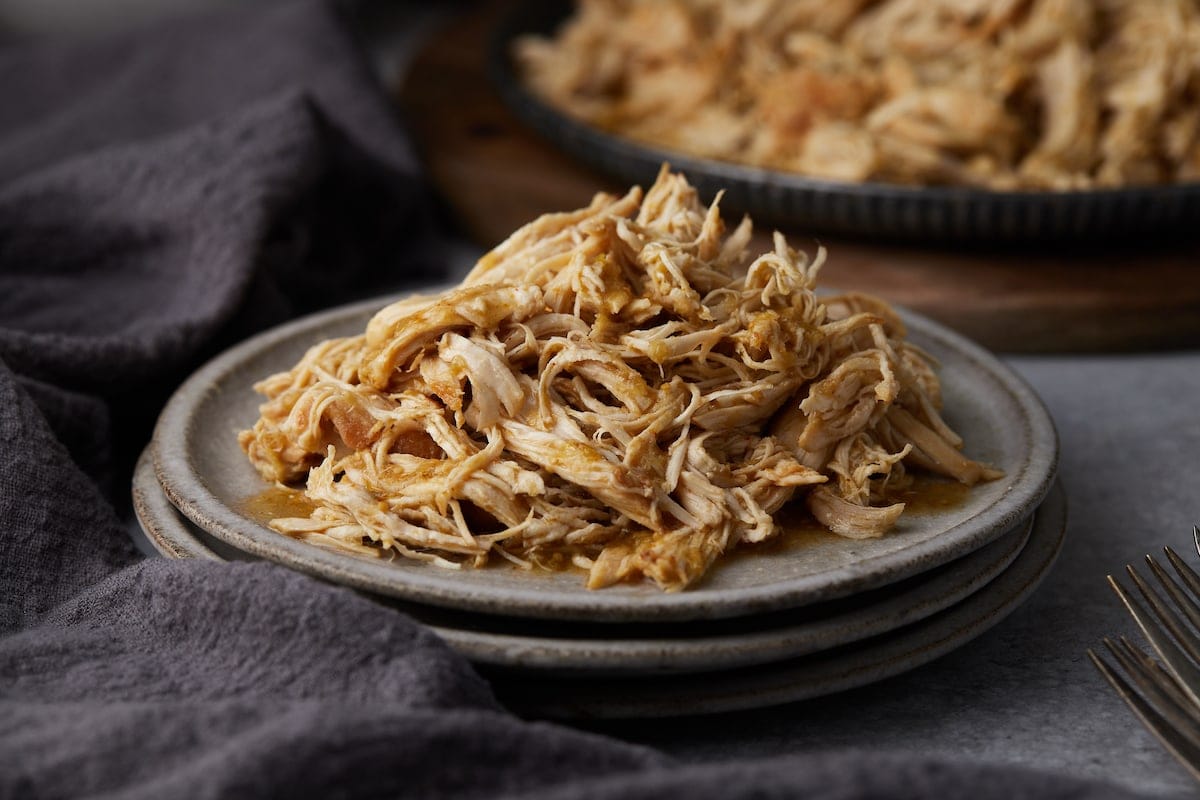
[(1184, 751), (1186, 573), (1196, 537), (1174, 658), (1183, 601), (1159, 685), (1165, 614)]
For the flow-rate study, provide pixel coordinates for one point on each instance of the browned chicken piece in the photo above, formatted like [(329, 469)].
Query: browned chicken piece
[(620, 389), (999, 94)]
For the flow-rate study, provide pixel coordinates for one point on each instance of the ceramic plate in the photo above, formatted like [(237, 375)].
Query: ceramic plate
[(895, 211), (206, 476), (613, 649), (824, 673), (820, 673)]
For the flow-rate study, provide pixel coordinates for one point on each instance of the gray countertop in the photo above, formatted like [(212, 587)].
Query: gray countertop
[(1025, 692)]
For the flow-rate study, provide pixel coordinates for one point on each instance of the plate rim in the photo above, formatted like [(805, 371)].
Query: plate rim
[(667, 656), (188, 491), (151, 508), (175, 536), (792, 680)]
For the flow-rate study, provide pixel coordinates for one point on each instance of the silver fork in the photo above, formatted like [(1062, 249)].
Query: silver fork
[(1167, 694)]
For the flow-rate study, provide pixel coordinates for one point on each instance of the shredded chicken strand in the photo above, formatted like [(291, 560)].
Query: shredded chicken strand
[(1015, 94), (619, 388)]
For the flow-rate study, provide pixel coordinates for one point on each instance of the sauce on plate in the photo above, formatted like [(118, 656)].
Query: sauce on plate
[(275, 502), (798, 529)]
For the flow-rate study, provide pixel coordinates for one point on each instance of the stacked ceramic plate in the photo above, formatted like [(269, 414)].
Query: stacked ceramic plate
[(816, 615)]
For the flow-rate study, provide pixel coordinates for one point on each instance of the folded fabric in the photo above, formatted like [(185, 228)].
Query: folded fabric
[(164, 193)]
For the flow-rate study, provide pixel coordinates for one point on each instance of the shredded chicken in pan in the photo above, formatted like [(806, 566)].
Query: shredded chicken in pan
[(1004, 94), (614, 388)]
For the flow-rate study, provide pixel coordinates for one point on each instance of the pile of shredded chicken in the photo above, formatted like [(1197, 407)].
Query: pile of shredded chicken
[(1001, 94), (614, 388)]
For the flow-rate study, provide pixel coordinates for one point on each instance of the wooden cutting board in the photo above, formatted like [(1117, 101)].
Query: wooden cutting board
[(495, 175)]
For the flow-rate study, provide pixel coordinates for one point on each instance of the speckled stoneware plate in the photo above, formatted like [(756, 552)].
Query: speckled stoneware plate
[(836, 670), (854, 664), (894, 211), (208, 478), (170, 533), (614, 648)]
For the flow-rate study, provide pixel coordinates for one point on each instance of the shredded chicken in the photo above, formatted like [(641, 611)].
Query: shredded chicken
[(618, 388), (1008, 94)]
